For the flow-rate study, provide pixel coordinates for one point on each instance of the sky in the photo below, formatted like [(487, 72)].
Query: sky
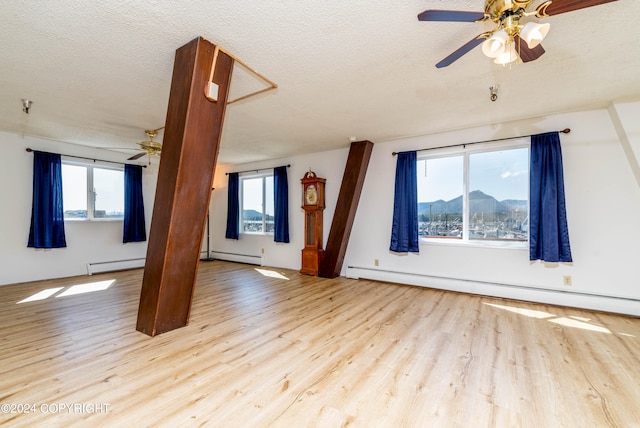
[(252, 194), (108, 183), (503, 174)]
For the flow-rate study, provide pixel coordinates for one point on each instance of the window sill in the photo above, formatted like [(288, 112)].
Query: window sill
[(92, 220), (505, 245)]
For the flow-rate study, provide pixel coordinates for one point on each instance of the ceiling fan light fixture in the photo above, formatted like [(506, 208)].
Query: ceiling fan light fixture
[(534, 33), (496, 45), (510, 55)]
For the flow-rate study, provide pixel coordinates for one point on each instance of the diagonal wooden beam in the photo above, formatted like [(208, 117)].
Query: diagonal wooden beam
[(348, 198), (189, 152)]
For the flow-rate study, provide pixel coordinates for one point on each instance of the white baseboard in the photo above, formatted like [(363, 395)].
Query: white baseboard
[(235, 257), (620, 305), (114, 265)]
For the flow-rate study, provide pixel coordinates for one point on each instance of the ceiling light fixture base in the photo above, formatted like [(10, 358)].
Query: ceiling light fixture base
[(26, 105), (493, 91)]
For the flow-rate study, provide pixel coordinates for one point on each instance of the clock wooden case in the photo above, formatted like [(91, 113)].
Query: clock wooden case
[(313, 206)]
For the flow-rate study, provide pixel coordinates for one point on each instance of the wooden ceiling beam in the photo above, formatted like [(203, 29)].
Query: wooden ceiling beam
[(352, 182)]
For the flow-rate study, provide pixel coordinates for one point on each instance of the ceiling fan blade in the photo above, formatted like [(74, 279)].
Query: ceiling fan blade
[(462, 50), (137, 156), (557, 6), (527, 54), (450, 15), (115, 148)]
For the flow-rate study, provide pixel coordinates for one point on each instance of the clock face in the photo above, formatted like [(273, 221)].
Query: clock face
[(311, 195)]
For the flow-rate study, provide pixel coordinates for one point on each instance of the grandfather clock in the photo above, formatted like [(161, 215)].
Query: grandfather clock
[(313, 205)]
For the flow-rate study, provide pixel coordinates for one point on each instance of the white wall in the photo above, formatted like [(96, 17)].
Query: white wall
[(624, 117), (329, 165), (603, 204), (87, 242)]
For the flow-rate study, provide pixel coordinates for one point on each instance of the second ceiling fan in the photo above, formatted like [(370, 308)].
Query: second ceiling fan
[(510, 39), (149, 147)]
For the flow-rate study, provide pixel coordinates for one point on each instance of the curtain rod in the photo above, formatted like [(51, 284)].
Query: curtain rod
[(253, 170), (91, 159), (564, 131)]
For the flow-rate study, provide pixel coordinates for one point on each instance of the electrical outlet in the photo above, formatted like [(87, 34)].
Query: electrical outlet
[(263, 251), (376, 262), (566, 280)]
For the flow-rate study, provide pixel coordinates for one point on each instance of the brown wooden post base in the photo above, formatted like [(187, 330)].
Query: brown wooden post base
[(189, 153)]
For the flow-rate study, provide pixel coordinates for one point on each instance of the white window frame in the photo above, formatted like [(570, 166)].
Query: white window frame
[(466, 152), (91, 194), (252, 176)]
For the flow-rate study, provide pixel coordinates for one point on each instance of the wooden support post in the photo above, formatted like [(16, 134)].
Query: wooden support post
[(348, 198), (189, 153)]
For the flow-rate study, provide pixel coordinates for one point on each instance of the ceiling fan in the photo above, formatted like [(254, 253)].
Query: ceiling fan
[(149, 147), (510, 40)]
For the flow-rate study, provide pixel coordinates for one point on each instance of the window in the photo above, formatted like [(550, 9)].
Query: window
[(92, 192), (475, 195), (256, 203)]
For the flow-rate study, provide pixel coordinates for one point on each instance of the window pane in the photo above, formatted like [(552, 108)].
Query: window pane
[(269, 204), (74, 191), (108, 186), (252, 204), (499, 193), (440, 187)]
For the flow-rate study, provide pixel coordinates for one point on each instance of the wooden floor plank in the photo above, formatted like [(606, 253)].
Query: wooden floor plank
[(293, 350)]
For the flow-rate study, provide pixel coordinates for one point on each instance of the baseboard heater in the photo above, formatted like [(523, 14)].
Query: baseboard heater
[(592, 301), (237, 257), (114, 265)]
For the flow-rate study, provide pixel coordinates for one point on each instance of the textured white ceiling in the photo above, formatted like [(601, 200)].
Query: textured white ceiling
[(99, 71)]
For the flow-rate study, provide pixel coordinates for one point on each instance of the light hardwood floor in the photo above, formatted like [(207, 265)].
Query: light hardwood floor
[(278, 349)]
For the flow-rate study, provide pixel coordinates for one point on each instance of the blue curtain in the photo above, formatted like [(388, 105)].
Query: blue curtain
[(404, 230), (281, 202), (134, 225), (47, 215), (548, 231), (233, 207)]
